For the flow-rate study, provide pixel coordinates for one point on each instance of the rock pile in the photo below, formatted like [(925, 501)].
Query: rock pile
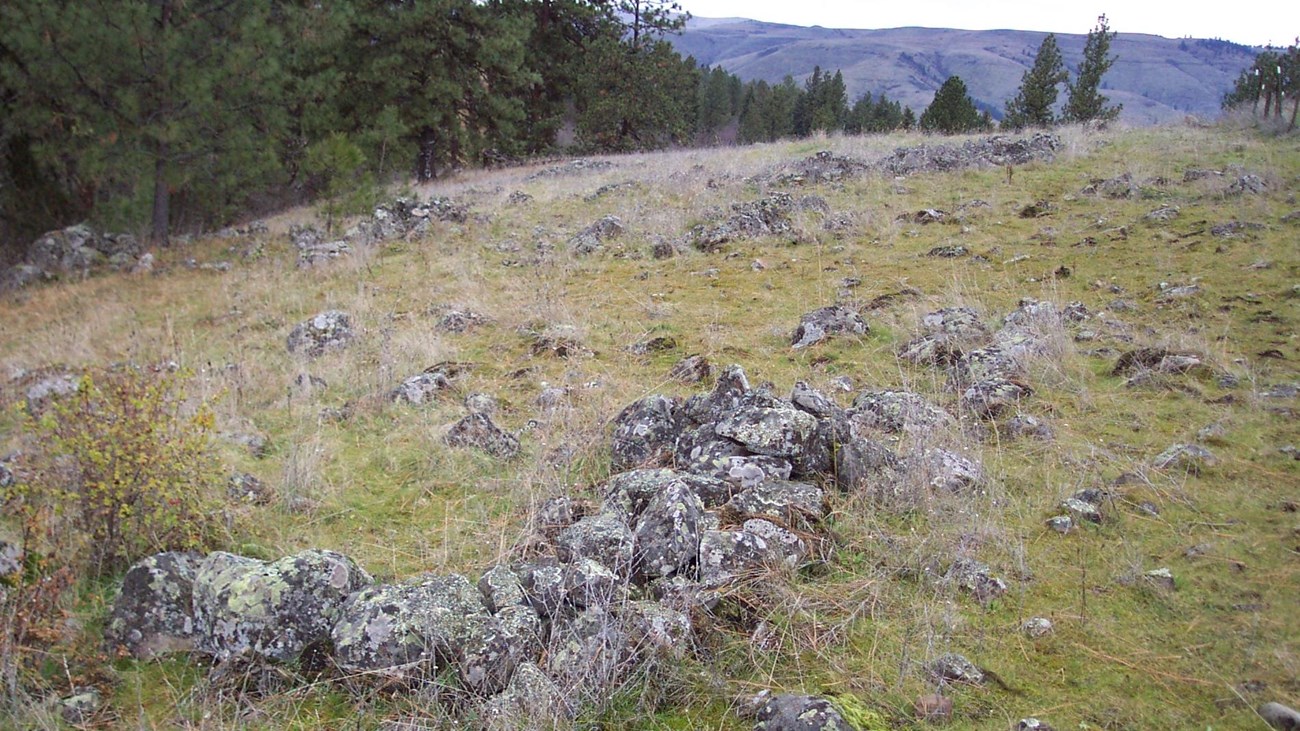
[(75, 251), (995, 151)]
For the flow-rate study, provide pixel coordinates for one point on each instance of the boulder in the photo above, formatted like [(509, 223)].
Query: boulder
[(956, 668), (153, 615), (775, 432), (800, 713), (273, 610), (780, 499), (643, 430), (819, 325), (477, 430), (543, 584), (327, 331), (667, 536), (993, 396), (531, 700), (897, 411), (421, 388), (603, 538), (501, 588), (588, 583), (1279, 716), (592, 238), (976, 579)]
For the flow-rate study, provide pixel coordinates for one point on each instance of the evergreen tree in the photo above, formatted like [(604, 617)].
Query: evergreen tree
[(1034, 101), (635, 99), (142, 102), (714, 107), (909, 118), (1086, 103), (952, 111)]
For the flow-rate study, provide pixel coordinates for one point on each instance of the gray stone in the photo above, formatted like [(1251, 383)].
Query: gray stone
[(991, 397), (819, 325), (1279, 716), (643, 430), (80, 708), (543, 583), (1082, 509), (328, 331), (800, 713), (948, 471), (954, 323), (246, 607), (976, 579), (1032, 724), (530, 701), (935, 350), (588, 583), (1037, 627), (808, 399), (656, 631), (459, 321), (501, 588), (729, 392), (781, 499), (1025, 425), (726, 555), (693, 368), (477, 430), (896, 411), (668, 532), (956, 668), (603, 538), (592, 238), (1061, 523), (785, 545), (1185, 457), (588, 653), (153, 615), (421, 388), (1161, 578), (774, 432)]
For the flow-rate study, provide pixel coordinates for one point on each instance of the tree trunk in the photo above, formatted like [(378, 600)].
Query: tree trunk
[(161, 197), (426, 156), (1294, 109)]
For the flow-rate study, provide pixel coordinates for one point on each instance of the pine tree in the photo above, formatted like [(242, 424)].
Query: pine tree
[(952, 111), (635, 99), (1086, 103), (1033, 103)]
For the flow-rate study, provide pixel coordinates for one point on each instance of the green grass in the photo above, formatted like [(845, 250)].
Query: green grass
[(389, 493)]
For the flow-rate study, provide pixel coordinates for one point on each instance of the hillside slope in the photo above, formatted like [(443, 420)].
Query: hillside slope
[(1157, 79), (1059, 376)]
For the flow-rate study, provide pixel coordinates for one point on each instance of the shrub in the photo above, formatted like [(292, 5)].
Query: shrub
[(124, 467)]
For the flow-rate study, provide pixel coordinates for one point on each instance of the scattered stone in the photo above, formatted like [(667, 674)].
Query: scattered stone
[(1247, 184), (924, 216), (976, 579), (1061, 524), (1023, 426), (781, 499), (1186, 457), (897, 411), (1161, 578), (996, 151), (1194, 174), (823, 167), (560, 341), (991, 397), (661, 344), (422, 388), (1232, 229), (692, 369), (1082, 509), (79, 709), (477, 430), (245, 488), (956, 668), (518, 198), (1117, 187), (952, 251), (820, 324), (1157, 360), (1279, 716), (800, 713), (460, 321), (330, 330), (1037, 627), (592, 238), (1032, 724)]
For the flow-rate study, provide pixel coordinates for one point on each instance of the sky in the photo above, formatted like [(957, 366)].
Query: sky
[(1257, 26)]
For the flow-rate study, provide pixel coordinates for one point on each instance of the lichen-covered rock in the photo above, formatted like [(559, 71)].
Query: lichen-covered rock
[(79, 709), (694, 368), (477, 430), (153, 615), (810, 400), (245, 488), (820, 324), (961, 323), (592, 238), (726, 555), (543, 583), (330, 330), (948, 471), (956, 668), (603, 538), (935, 350), (530, 701), (800, 713), (729, 392), (655, 631), (501, 588), (1025, 426), (392, 630), (977, 579), (421, 388), (588, 583), (1188, 457), (1002, 360), (781, 499), (993, 396), (1082, 509), (668, 532), (588, 652), (785, 545), (1157, 360), (896, 411), (775, 432), (857, 460), (275, 610), (643, 430), (628, 493)]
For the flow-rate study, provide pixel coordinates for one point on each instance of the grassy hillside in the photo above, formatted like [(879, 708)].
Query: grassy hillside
[(1156, 79), (354, 472)]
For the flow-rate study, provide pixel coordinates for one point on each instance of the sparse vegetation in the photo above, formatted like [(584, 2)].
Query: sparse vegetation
[(353, 471)]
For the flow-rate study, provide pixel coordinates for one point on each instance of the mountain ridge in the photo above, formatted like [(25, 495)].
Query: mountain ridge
[(1157, 79)]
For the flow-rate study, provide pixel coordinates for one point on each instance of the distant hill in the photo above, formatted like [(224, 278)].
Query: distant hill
[(1157, 79)]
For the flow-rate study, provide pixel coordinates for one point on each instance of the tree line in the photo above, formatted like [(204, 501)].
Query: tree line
[(185, 114), (1271, 78)]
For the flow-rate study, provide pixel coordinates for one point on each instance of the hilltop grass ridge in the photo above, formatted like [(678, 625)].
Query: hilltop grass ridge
[(352, 471)]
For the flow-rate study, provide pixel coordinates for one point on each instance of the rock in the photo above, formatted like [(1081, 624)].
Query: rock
[(975, 578), (956, 668), (692, 369), (729, 392), (948, 471), (1186, 457), (785, 545), (819, 325), (256, 444), (774, 432), (421, 388), (6, 480), (477, 430), (530, 701), (153, 615), (948, 252), (1061, 524), (933, 708), (643, 430), (656, 631), (993, 396), (896, 411), (726, 555), (1161, 578), (399, 631), (245, 488), (661, 344), (501, 588), (316, 254), (1279, 716), (1247, 184), (935, 350), (49, 389), (1037, 627), (960, 323), (603, 538), (276, 610), (997, 362), (480, 403), (1082, 509), (1032, 724), (996, 151), (1157, 360), (21, 275), (592, 238), (79, 709), (330, 330), (800, 713), (588, 654), (924, 216), (543, 583), (668, 533), (460, 321), (588, 583), (1025, 425), (788, 501)]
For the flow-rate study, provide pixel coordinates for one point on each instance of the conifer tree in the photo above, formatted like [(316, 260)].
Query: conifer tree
[(1086, 103), (952, 111), (1036, 97)]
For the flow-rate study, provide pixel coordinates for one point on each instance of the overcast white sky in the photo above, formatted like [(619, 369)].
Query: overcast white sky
[(1253, 23)]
